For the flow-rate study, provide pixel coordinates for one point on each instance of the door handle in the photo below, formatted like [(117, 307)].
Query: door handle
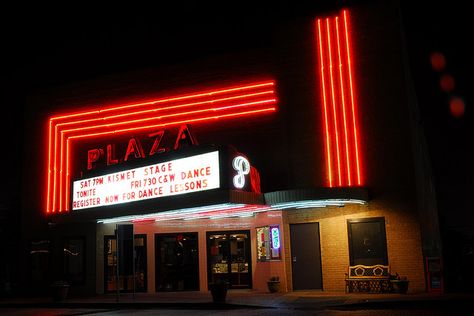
[(294, 259)]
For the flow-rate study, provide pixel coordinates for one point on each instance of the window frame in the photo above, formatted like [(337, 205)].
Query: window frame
[(381, 222), (270, 242)]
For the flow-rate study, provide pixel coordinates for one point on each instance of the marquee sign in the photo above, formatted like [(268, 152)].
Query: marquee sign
[(180, 176), (68, 131)]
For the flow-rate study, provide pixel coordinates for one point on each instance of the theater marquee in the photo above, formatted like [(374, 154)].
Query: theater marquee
[(180, 176)]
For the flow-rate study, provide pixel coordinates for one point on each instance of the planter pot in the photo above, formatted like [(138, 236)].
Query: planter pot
[(273, 286), (218, 291), (399, 286), (59, 291)]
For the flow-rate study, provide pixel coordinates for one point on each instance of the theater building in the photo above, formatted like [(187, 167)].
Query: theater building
[(296, 159)]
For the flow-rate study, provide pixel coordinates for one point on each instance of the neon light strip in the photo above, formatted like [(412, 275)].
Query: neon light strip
[(68, 175), (343, 101), (164, 100), (259, 99), (316, 203), (353, 107), (333, 99), (210, 211), (227, 210), (326, 124), (163, 117), (144, 128), (110, 117), (48, 187)]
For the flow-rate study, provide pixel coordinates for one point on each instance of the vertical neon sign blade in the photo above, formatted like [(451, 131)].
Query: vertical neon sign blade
[(339, 110)]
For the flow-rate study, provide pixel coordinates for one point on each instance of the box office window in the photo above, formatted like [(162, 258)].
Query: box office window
[(367, 241), (268, 243)]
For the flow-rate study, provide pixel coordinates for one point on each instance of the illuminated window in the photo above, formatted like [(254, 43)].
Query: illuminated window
[(268, 243)]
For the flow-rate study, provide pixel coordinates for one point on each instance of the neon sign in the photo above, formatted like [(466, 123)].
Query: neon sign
[(343, 157), (242, 166), (136, 150), (64, 131), (180, 176), (275, 233)]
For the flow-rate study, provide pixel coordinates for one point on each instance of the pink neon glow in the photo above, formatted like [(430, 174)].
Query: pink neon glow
[(231, 102), (334, 49)]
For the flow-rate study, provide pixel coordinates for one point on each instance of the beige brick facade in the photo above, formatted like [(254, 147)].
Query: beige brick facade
[(402, 234), (403, 241)]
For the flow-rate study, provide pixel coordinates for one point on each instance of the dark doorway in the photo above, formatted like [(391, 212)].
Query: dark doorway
[(176, 262), (367, 241), (229, 258), (306, 256), (40, 263), (125, 281)]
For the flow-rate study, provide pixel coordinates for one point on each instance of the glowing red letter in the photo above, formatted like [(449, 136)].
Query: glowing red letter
[(111, 160), (156, 144), (184, 135), (134, 147), (92, 156)]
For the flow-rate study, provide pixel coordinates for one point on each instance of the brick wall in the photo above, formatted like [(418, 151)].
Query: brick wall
[(402, 232)]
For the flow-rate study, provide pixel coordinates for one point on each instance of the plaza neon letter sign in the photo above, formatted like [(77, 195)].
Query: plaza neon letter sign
[(135, 148)]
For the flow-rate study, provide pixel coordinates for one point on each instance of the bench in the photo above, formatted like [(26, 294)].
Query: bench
[(369, 279)]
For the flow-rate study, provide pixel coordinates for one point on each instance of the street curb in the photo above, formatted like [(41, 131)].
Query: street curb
[(132, 305)]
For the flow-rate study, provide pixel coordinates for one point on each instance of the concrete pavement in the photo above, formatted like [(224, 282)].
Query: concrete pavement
[(245, 299)]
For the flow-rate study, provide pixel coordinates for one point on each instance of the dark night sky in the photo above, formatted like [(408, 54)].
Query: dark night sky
[(37, 45), (445, 27)]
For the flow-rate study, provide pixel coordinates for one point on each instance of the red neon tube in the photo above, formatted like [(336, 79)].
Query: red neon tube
[(341, 133), (333, 102)]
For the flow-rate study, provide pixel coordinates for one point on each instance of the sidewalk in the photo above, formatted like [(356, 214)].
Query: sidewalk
[(300, 300)]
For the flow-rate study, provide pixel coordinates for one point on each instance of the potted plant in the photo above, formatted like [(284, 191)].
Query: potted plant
[(273, 284), (59, 290), (219, 290), (399, 284)]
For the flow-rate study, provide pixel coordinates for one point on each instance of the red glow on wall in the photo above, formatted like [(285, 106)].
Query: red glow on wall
[(204, 106), (343, 161)]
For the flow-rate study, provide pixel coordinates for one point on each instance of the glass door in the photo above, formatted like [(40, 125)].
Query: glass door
[(229, 258), (110, 266), (176, 262)]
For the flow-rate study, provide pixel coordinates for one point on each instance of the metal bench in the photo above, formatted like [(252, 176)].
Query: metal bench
[(368, 279)]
